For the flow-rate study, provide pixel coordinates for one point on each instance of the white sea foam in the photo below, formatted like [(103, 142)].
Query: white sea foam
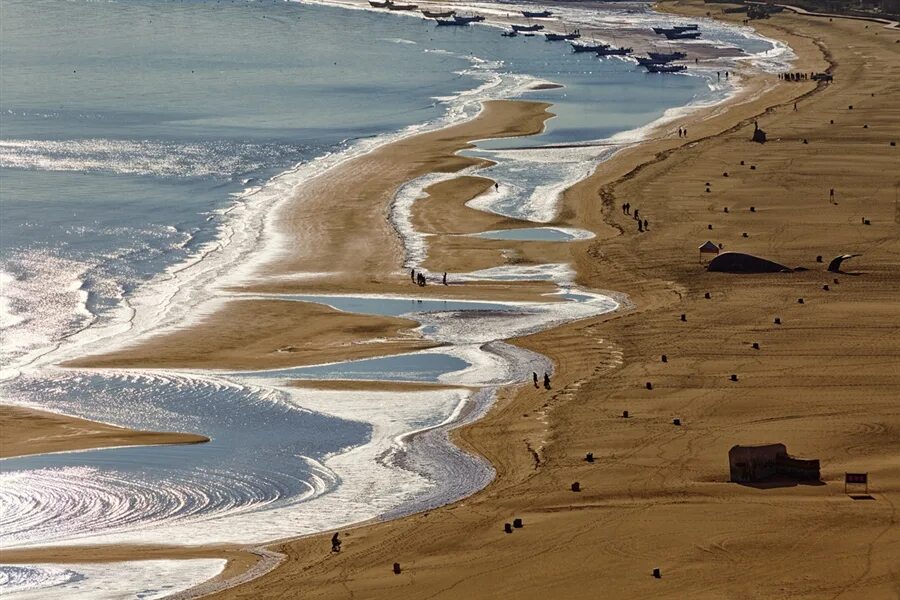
[(147, 579), (371, 484)]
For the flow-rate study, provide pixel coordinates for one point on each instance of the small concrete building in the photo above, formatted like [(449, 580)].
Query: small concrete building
[(749, 464), (754, 463)]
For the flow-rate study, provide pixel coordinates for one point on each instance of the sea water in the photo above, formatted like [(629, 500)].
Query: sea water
[(136, 139)]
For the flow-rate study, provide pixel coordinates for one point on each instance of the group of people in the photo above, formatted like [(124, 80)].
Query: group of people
[(719, 75), (682, 132), (795, 76), (643, 225), (418, 278), (534, 378)]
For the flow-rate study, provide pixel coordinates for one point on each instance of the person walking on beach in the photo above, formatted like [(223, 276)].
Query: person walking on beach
[(685, 132), (336, 542), (679, 132), (534, 378), (637, 214), (795, 107), (628, 208), (646, 224), (496, 186), (412, 275), (444, 280), (640, 226), (546, 381)]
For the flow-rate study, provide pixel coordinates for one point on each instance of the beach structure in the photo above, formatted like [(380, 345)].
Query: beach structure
[(708, 248), (754, 464), (738, 262), (835, 265)]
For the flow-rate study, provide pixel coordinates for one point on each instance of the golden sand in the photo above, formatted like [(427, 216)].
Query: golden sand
[(824, 382), (267, 334), (28, 431)]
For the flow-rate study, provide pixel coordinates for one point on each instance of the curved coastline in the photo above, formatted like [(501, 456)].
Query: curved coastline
[(663, 491), (569, 217)]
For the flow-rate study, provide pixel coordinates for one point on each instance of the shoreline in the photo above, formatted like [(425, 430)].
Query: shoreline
[(487, 288), (44, 432), (573, 211), (485, 291), (392, 532)]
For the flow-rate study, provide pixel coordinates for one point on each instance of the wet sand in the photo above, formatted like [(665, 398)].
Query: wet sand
[(347, 232), (657, 496), (824, 382), (28, 431), (267, 334)]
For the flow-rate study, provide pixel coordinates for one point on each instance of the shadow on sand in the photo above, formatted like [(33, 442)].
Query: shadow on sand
[(779, 482)]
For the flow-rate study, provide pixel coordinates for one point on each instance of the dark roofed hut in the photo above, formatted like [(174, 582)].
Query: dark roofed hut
[(753, 464), (738, 262)]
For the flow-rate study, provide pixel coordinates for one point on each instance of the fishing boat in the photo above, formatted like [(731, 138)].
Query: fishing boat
[(539, 14), (451, 23), (510, 33), (445, 14), (376, 4), (667, 56), (682, 35), (675, 29), (534, 27), (561, 37), (665, 68), (615, 51), (472, 19), (579, 47), (646, 61), (392, 6)]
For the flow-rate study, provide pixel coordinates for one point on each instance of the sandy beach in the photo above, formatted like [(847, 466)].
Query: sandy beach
[(824, 382), (28, 431), (657, 495)]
